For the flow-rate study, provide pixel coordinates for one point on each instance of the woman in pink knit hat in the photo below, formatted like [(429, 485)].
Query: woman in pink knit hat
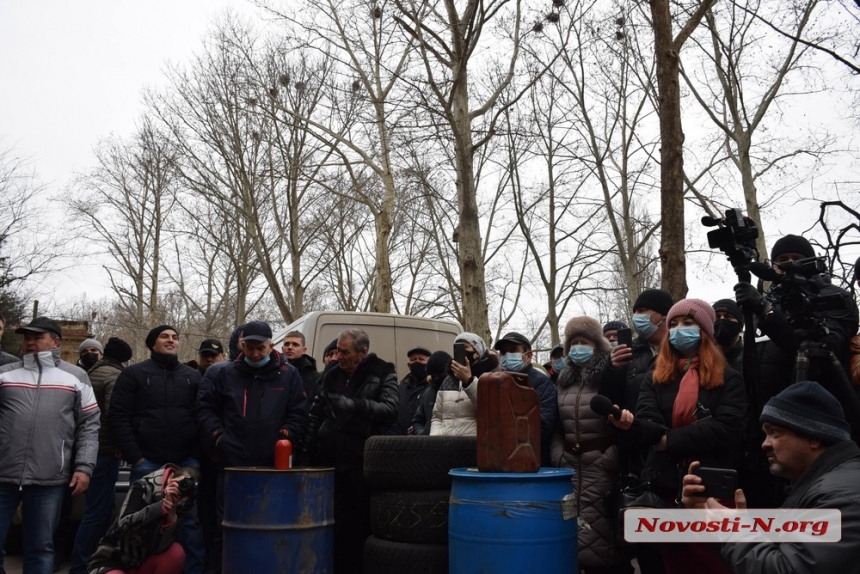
[(691, 407)]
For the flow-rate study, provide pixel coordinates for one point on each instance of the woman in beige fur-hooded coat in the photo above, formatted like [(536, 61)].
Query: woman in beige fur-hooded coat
[(585, 442)]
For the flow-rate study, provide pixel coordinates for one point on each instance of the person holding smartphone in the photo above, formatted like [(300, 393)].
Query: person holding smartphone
[(692, 406)]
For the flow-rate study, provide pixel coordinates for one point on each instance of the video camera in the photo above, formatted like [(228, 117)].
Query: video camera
[(797, 291), (736, 236)]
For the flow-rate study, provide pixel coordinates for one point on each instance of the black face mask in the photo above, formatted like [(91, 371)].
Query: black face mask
[(725, 331), (87, 361), (419, 371)]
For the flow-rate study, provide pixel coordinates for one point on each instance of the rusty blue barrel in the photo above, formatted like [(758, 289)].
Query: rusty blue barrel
[(512, 522), (278, 520)]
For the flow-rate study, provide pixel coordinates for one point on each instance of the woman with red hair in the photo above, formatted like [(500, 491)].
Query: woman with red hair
[(692, 406)]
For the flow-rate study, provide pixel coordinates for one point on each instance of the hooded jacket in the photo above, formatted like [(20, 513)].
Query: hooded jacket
[(246, 407), (139, 531), (307, 369), (340, 425), (829, 482), (45, 415), (152, 410)]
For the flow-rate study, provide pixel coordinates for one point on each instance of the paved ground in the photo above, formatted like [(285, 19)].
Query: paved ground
[(13, 565)]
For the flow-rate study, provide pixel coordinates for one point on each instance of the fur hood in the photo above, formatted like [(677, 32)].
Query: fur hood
[(588, 328)]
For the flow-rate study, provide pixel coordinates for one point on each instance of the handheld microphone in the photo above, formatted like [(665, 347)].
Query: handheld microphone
[(602, 405)]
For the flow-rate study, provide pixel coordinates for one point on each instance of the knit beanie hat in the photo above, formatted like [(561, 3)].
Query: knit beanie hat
[(438, 363), (153, 335), (702, 313), (615, 325), (118, 350), (654, 299), (330, 347), (792, 244), (810, 410), (477, 343), (730, 307), (588, 328), (91, 343)]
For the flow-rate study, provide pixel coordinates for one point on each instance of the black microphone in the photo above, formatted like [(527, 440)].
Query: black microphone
[(602, 405), (765, 271)]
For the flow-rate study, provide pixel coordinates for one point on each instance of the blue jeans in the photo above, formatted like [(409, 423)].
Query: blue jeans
[(41, 513), (190, 535), (97, 518)]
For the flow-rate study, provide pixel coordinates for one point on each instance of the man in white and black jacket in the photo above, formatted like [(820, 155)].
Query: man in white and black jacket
[(46, 414)]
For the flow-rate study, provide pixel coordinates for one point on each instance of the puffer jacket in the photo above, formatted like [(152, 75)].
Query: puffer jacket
[(454, 412), (139, 531), (152, 410), (45, 415), (246, 407), (340, 425), (715, 440), (103, 375), (584, 442), (829, 482)]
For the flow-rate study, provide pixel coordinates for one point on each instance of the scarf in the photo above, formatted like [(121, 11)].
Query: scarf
[(688, 394)]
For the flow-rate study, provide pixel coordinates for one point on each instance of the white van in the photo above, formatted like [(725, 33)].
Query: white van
[(391, 336)]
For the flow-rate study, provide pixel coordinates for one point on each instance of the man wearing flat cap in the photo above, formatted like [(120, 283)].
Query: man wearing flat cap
[(411, 387), (49, 422), (152, 420), (807, 441), (516, 352), (40, 323)]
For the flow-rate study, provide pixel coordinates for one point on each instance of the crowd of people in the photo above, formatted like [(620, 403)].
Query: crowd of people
[(680, 391)]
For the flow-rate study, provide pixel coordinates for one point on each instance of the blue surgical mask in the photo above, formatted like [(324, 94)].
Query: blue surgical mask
[(685, 339), (512, 362), (580, 354), (558, 364), (260, 363), (643, 325)]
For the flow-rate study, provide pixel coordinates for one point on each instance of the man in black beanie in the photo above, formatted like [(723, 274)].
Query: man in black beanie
[(727, 332), (152, 420), (100, 494), (437, 368), (807, 442)]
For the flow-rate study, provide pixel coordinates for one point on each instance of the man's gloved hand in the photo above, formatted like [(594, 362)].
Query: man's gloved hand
[(748, 297)]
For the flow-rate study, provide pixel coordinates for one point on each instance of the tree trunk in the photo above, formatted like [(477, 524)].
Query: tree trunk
[(672, 245)]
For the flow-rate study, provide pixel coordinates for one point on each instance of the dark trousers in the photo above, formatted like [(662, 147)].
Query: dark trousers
[(351, 521)]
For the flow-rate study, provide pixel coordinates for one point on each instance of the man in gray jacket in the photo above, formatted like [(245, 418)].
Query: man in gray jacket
[(46, 414), (808, 442)]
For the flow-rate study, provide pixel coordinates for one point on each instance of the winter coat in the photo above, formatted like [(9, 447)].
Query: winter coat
[(73, 370), (541, 383), (340, 425), (410, 391), (456, 407), (138, 531), (7, 359), (421, 420), (735, 356), (307, 368), (46, 414), (103, 376), (152, 410), (584, 442), (714, 440), (244, 409), (829, 482)]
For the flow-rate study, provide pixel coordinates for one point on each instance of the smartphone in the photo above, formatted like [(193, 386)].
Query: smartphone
[(625, 337), (460, 353), (718, 482)]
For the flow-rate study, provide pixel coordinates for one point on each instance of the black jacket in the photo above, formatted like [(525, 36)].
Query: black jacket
[(307, 368), (713, 440), (152, 410), (247, 407), (410, 391), (340, 425), (421, 420)]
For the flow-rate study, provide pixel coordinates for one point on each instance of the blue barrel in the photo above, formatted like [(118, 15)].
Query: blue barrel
[(278, 520), (512, 522)]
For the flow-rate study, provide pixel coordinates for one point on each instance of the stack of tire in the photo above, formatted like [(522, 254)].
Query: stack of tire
[(409, 502)]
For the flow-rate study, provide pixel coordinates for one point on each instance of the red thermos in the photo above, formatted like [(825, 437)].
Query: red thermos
[(283, 452)]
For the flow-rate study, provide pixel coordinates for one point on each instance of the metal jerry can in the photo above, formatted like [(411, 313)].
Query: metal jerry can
[(508, 423)]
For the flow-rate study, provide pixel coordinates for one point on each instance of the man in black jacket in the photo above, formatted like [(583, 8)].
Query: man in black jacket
[(249, 402), (728, 332), (295, 351), (411, 387), (152, 420), (357, 399)]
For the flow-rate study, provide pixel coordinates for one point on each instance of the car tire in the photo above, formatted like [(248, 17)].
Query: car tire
[(418, 517), (386, 557), (416, 462)]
